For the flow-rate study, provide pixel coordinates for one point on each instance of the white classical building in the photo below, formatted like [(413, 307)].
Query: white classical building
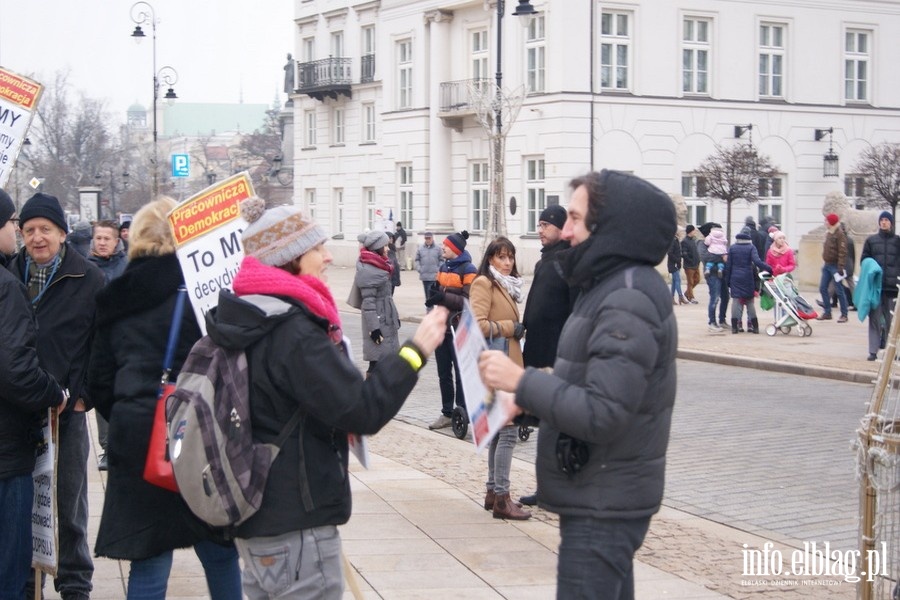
[(384, 126)]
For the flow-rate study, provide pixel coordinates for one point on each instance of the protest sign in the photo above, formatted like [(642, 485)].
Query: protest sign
[(43, 511), (18, 103), (207, 229), (485, 415)]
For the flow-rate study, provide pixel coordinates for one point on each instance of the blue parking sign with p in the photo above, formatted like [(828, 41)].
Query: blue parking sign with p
[(181, 165)]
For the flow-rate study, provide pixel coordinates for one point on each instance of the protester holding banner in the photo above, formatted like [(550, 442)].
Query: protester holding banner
[(141, 522), (62, 286), (495, 296), (26, 391), (298, 360)]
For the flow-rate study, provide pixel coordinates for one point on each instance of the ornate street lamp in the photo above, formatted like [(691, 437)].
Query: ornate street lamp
[(830, 162)]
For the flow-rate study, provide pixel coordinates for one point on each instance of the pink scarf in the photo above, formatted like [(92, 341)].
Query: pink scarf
[(376, 260), (257, 278), (779, 251)]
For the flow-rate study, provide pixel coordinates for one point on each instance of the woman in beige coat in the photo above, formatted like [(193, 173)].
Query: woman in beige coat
[(495, 295)]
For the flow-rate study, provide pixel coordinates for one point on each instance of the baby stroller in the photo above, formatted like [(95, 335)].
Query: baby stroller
[(791, 309)]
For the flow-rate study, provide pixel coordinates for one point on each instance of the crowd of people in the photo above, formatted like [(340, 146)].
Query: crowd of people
[(89, 326)]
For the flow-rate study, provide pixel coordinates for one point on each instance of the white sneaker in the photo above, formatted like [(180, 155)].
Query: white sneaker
[(713, 328), (441, 422)]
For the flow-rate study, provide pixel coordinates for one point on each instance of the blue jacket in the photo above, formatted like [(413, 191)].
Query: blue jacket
[(739, 276), (867, 293)]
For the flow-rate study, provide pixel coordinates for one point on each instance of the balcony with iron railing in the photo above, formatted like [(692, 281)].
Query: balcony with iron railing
[(457, 100), (327, 77)]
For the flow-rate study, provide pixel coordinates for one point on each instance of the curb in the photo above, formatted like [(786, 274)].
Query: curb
[(779, 367)]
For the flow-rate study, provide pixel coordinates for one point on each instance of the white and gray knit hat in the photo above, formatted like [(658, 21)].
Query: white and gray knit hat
[(278, 235)]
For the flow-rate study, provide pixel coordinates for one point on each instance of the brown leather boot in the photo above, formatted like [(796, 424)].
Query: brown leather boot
[(489, 500), (504, 508)]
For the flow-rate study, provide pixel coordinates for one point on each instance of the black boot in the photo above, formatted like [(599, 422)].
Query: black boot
[(734, 326), (753, 326)]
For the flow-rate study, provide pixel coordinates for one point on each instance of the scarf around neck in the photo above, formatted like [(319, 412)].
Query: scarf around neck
[(512, 285), (779, 251), (376, 260), (257, 278)]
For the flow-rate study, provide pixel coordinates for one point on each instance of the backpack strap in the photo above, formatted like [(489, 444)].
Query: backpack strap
[(288, 428)]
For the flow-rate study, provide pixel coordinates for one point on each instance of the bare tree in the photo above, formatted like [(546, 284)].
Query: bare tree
[(734, 173), (880, 165)]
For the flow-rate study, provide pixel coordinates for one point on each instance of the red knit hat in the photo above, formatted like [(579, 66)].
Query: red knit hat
[(832, 219)]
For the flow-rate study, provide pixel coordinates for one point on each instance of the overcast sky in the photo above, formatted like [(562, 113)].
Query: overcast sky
[(223, 50)]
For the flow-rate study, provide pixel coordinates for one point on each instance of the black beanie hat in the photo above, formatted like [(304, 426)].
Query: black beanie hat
[(7, 207), (689, 229), (457, 241), (44, 205), (707, 227), (554, 214)]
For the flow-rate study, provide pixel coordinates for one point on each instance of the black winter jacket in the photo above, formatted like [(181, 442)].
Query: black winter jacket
[(740, 276), (884, 247), (673, 257), (690, 256), (26, 390), (65, 316), (547, 308), (613, 382), (134, 313), (294, 363)]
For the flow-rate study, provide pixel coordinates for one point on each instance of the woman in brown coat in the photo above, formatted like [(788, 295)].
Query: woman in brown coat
[(494, 296)]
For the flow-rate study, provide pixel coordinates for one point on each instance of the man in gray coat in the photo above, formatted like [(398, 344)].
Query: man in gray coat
[(606, 408), (428, 262)]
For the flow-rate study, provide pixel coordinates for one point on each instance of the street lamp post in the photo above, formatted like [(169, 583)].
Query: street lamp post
[(143, 13), (496, 218)]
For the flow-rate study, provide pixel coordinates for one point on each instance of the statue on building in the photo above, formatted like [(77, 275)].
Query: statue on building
[(860, 222), (289, 79)]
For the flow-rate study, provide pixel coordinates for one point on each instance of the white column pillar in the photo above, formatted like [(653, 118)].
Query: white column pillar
[(439, 213)]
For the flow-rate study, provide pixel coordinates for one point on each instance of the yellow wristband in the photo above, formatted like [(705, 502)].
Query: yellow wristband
[(412, 357)]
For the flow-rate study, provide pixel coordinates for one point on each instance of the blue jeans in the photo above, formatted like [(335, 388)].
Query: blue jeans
[(148, 579), (500, 457), (447, 368), (828, 272), (715, 288), (676, 283), (16, 497), (596, 557)]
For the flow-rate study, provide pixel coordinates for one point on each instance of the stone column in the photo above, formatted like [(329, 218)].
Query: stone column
[(439, 213)]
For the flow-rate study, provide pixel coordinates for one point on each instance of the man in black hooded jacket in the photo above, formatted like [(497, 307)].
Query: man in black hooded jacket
[(606, 409)]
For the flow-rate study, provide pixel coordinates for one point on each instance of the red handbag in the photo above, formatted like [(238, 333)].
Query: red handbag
[(158, 467)]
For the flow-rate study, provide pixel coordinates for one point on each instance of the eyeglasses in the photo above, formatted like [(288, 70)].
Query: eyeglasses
[(543, 225)]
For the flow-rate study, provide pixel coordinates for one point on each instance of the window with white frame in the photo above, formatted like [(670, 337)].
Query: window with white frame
[(309, 49), (771, 59), (310, 196), (771, 199), (856, 65), (615, 50), (309, 128), (404, 74), (855, 189), (478, 54), (338, 196), (405, 192), (367, 60), (368, 40), (337, 44), (534, 193), (368, 122), (695, 54), (337, 123), (535, 51), (369, 200), (479, 184), (693, 189)]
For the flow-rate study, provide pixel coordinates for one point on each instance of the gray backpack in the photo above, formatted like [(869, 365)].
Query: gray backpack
[(221, 472)]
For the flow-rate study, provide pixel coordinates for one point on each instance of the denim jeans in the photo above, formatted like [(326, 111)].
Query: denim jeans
[(301, 565), (447, 369), (500, 457), (16, 497), (715, 288), (596, 557), (828, 272), (148, 579), (676, 283), (880, 322)]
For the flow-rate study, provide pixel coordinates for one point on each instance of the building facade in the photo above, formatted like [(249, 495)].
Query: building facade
[(385, 120)]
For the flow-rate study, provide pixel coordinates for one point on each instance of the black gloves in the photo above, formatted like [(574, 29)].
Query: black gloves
[(519, 330), (376, 336), (436, 298)]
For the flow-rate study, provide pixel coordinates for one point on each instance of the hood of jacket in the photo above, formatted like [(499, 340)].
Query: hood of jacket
[(236, 323), (635, 225), (454, 263), (146, 283)]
